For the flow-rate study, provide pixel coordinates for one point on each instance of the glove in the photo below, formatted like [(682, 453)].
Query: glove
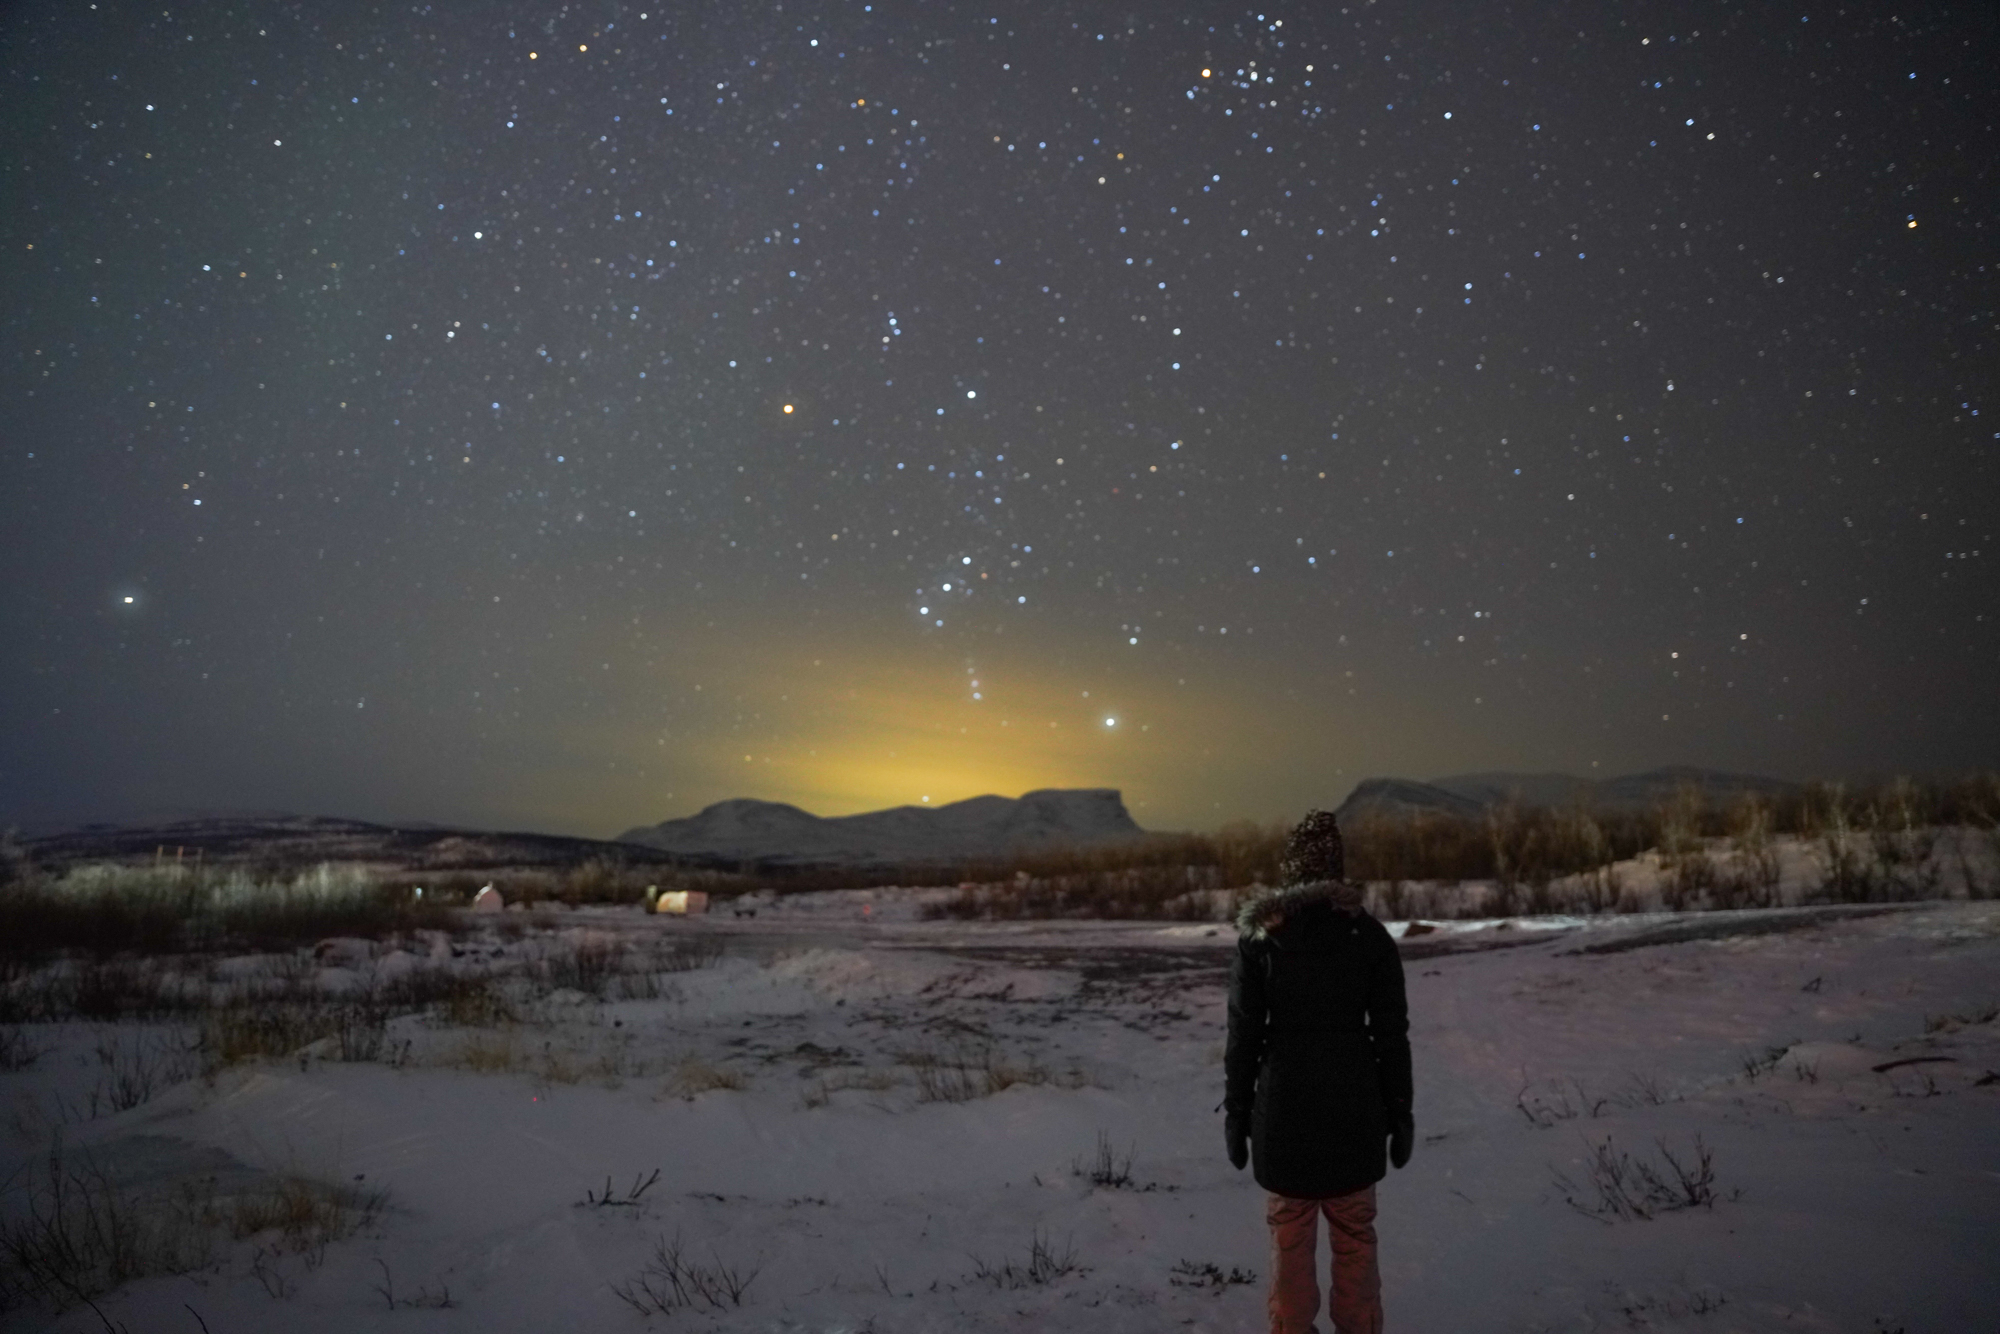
[(1402, 1135), (1236, 1133)]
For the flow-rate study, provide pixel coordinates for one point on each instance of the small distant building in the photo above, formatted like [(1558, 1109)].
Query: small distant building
[(682, 902), (488, 900)]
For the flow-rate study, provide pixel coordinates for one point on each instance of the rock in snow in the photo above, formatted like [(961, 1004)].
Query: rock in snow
[(991, 826)]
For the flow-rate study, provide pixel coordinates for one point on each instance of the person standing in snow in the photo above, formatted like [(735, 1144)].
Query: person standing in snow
[(1318, 1076)]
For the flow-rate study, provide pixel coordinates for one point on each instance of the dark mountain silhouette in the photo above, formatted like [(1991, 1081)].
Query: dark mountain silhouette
[(773, 833), (1474, 794)]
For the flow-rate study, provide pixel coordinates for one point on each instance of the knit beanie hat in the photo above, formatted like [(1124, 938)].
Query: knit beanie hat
[(1314, 851)]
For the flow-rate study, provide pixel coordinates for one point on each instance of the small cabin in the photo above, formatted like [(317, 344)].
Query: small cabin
[(681, 902)]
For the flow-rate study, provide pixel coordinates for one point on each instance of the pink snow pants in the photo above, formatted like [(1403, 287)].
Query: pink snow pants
[(1357, 1283)]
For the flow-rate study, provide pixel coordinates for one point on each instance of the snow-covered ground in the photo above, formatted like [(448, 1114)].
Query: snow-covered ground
[(815, 1099)]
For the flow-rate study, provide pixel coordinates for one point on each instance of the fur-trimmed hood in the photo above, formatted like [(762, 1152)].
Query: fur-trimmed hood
[(1262, 913)]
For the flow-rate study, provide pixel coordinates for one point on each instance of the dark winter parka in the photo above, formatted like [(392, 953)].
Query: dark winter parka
[(1319, 1049)]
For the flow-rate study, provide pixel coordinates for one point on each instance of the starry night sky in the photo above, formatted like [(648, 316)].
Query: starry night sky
[(568, 415)]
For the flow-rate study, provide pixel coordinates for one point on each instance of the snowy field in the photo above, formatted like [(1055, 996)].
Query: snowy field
[(835, 1116)]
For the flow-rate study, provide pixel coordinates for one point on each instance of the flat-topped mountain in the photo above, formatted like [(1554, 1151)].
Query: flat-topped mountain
[(774, 833), (1474, 794)]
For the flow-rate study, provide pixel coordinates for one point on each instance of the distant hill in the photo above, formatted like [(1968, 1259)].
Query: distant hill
[(774, 834), (1403, 796), (267, 842), (1474, 794)]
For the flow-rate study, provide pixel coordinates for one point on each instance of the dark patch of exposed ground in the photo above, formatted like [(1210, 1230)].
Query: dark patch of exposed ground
[(1110, 972), (1120, 971), (1120, 967), (1722, 925)]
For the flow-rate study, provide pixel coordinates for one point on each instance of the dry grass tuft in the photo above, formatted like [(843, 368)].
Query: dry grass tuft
[(694, 1076), (306, 1214), (822, 1089), (487, 1054), (965, 1073), (1045, 1264)]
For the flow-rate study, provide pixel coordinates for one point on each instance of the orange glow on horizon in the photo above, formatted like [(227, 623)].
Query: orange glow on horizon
[(839, 718)]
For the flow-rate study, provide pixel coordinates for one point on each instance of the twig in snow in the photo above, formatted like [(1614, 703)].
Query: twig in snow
[(640, 1185)]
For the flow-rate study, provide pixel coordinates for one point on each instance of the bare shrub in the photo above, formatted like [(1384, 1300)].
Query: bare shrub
[(1977, 853), (1599, 890), (1391, 901), (628, 1199), (1186, 893), (243, 1033), (1108, 1170), (19, 1050), (83, 1234), (685, 956), (1537, 859), (1946, 1023), (1533, 846), (1903, 847), (646, 974), (134, 1071), (106, 910), (1627, 1188), (602, 880), (1756, 854), (671, 1282), (587, 967), (354, 1027), (475, 1002), (1847, 874), (1687, 873), (360, 1031), (1044, 1265), (425, 1298), (1756, 1065), (1173, 877), (1647, 1091), (114, 989), (1559, 1101)]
